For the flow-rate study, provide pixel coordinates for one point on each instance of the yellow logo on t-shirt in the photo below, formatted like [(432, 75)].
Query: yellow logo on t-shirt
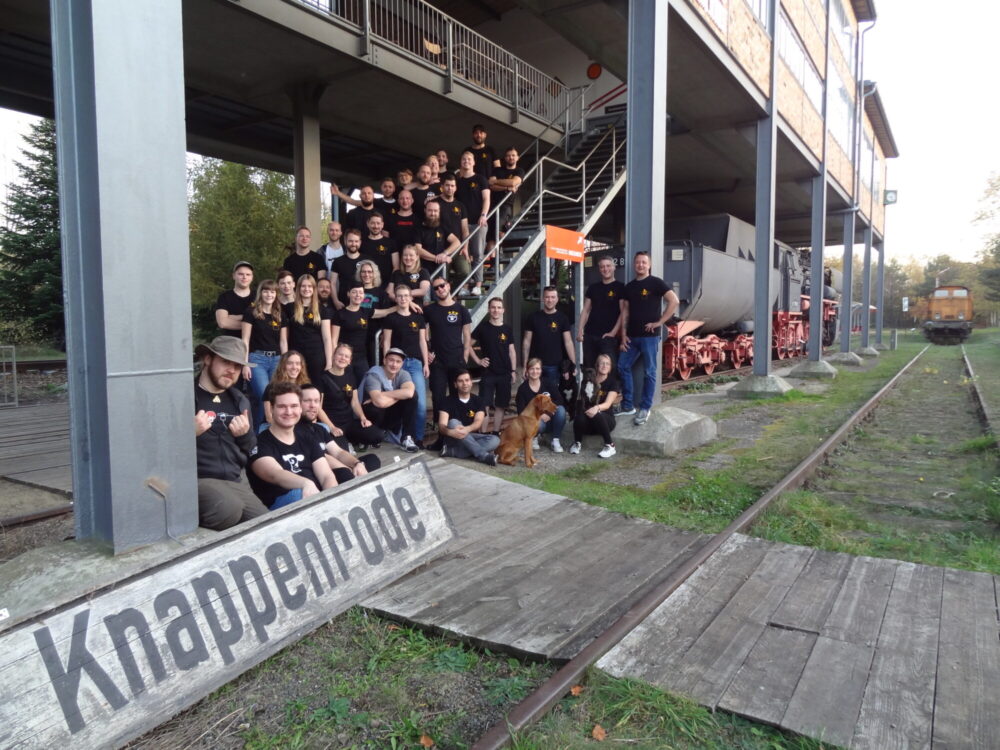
[(274, 324), (503, 337), (348, 388), (645, 292), (413, 325), (455, 210), (611, 292), (553, 325), (309, 316), (381, 249), (470, 413), (310, 265), (362, 322)]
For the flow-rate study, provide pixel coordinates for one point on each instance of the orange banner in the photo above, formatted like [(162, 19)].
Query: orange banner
[(563, 244)]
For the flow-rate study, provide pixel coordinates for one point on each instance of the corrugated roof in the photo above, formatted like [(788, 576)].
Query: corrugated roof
[(880, 122)]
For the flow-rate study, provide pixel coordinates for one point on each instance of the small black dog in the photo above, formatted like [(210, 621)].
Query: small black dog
[(568, 387), (589, 390)]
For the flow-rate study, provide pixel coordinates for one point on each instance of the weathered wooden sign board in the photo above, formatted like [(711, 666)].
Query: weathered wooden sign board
[(107, 667)]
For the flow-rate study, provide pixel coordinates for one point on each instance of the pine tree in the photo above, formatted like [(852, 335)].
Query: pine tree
[(31, 297)]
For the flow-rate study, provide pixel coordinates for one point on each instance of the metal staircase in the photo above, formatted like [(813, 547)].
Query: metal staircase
[(572, 194)]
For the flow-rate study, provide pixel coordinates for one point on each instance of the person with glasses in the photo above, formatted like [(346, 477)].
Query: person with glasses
[(450, 326)]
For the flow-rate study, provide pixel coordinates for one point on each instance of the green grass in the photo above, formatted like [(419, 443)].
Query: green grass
[(30, 352)]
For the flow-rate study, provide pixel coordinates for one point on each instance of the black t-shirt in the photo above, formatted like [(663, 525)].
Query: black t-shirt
[(311, 263), (420, 197), (297, 457), (233, 304), (445, 323), (494, 342), (505, 173), (357, 218), (411, 279), (380, 251), (345, 267), (434, 239), (354, 327), (463, 411), (386, 207), (470, 192), (338, 392), (547, 336), (220, 454), (376, 298), (451, 216), (306, 336), (525, 394), (645, 304), (265, 333), (405, 230), (485, 157), (406, 332), (604, 306), (610, 384)]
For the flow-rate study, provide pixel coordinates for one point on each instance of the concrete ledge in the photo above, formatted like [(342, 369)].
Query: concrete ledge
[(881, 347), (760, 386), (844, 358), (668, 431), (810, 369), (866, 351)]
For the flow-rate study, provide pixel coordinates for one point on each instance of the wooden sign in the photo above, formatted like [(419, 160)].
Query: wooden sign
[(114, 663), (563, 244)]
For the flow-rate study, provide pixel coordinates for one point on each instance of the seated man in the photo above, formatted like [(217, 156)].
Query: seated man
[(345, 466), (459, 421), (387, 398), (223, 438), (288, 464)]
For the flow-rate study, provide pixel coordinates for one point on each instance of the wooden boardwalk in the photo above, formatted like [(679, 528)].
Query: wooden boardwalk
[(35, 447)]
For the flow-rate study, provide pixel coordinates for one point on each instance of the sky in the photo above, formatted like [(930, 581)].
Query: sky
[(935, 74)]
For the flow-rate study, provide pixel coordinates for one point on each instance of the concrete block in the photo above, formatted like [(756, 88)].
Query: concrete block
[(867, 352), (844, 358), (760, 386), (881, 347), (669, 430), (810, 369)]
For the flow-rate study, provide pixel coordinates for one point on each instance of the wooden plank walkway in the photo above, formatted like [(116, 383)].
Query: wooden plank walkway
[(35, 446), (858, 652)]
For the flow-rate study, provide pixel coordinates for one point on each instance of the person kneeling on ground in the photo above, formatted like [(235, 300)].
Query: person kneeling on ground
[(345, 466), (594, 414), (223, 438), (387, 399), (459, 421), (288, 464)]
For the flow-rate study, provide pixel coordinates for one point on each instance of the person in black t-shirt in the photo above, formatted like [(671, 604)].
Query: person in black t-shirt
[(333, 249), (342, 404), (459, 421), (404, 225), (345, 266), (504, 182), (287, 465), (438, 245), (486, 158), (232, 303), (406, 330), (600, 322), (262, 337), (474, 191), (302, 260), (496, 341), (533, 384), (547, 336), (423, 189), (410, 274), (598, 396), (357, 218), (381, 249), (450, 326), (642, 320), (345, 466), (306, 328)]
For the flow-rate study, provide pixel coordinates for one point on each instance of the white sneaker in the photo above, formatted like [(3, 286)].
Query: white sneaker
[(556, 446), (607, 451), (575, 448), (477, 291), (534, 444)]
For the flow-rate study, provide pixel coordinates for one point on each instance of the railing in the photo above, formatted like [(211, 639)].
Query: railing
[(8, 376), (439, 41)]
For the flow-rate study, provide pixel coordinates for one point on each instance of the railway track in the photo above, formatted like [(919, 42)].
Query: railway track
[(536, 705), (40, 364)]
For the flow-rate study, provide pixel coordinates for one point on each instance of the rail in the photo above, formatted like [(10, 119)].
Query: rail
[(552, 690), (439, 42)]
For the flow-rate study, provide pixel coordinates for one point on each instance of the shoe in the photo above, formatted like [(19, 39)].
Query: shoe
[(624, 411), (444, 451), (534, 444), (641, 417), (607, 451), (436, 445), (490, 459), (463, 292), (556, 446), (477, 291), (351, 449), (393, 438), (376, 445), (408, 445), (575, 448), (362, 447)]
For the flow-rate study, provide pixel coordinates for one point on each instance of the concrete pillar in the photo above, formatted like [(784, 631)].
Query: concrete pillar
[(866, 349), (119, 100), (305, 115)]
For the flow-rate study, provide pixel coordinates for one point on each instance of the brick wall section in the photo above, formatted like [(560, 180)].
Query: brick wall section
[(749, 44)]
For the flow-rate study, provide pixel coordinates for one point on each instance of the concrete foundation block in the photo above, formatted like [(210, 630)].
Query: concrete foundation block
[(669, 430), (844, 358), (881, 347), (810, 369), (760, 386), (868, 352)]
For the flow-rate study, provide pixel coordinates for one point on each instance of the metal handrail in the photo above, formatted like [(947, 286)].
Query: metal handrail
[(440, 42)]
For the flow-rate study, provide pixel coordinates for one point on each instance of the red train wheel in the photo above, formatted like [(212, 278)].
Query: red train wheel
[(684, 369)]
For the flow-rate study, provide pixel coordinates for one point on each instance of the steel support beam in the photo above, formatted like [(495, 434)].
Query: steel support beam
[(880, 297), (847, 297), (646, 149), (866, 290), (119, 98), (816, 285), (305, 126)]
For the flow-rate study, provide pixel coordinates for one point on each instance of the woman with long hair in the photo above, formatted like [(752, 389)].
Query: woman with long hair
[(598, 419), (262, 336), (307, 328), (290, 369), (411, 274), (533, 385), (342, 405), (407, 330)]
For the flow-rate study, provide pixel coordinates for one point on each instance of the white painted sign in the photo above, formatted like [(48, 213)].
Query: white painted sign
[(906, 304), (109, 666)]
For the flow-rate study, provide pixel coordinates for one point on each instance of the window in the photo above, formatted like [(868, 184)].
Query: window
[(842, 30), (867, 155), (759, 8), (840, 117), (718, 11), (793, 52)]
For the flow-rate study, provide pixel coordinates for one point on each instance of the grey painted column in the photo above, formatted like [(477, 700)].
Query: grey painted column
[(816, 285), (846, 298), (119, 96), (880, 296), (866, 292), (305, 125), (646, 149)]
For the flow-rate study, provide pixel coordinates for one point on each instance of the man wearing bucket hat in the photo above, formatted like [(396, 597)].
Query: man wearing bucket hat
[(223, 438)]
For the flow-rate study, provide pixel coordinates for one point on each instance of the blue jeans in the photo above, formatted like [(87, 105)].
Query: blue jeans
[(288, 498), (550, 372), (474, 444), (555, 425), (416, 369), (260, 376), (646, 347)]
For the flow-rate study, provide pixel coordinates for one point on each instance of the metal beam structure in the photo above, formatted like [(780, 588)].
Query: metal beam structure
[(866, 290), (818, 228), (880, 297), (306, 142), (846, 296), (119, 87)]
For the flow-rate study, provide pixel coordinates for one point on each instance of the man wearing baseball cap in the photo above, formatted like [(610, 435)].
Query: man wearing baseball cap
[(223, 438), (387, 398)]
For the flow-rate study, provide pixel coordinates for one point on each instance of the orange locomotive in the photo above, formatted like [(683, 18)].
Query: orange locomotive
[(949, 315)]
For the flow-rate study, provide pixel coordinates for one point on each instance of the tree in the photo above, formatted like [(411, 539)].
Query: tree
[(235, 213), (30, 257)]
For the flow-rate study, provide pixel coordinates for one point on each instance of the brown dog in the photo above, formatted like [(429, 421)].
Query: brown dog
[(522, 429)]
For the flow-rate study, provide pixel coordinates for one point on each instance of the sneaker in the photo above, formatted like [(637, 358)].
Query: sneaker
[(361, 448), (408, 445), (625, 411), (556, 446), (477, 291), (534, 444), (490, 459), (607, 451), (641, 417), (463, 292), (575, 448), (444, 451)]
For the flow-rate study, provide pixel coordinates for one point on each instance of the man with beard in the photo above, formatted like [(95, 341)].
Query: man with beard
[(364, 207), (450, 326), (223, 438), (486, 158), (333, 249), (438, 245), (383, 250), (422, 190), (345, 466), (345, 266)]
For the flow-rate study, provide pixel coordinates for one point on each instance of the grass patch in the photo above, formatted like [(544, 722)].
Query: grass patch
[(984, 444)]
